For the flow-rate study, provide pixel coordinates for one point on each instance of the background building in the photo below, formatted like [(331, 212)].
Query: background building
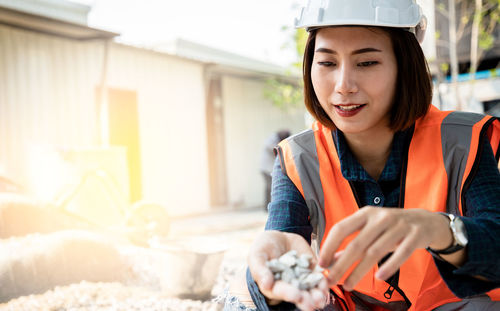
[(94, 123)]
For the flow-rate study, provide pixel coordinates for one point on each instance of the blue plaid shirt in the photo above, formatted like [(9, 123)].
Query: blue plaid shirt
[(288, 212)]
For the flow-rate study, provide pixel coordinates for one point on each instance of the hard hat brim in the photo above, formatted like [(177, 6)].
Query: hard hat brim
[(351, 22)]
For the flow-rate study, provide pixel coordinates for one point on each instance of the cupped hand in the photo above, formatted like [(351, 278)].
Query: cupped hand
[(381, 231), (273, 244)]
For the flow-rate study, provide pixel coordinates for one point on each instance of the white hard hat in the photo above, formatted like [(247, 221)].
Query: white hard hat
[(387, 13)]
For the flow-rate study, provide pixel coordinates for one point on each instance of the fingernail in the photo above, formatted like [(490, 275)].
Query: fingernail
[(326, 273)]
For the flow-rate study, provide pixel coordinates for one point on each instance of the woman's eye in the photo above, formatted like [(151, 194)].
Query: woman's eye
[(326, 64), (366, 64)]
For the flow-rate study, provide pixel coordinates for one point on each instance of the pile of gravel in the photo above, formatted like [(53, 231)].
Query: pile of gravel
[(115, 296), (294, 269), (87, 296)]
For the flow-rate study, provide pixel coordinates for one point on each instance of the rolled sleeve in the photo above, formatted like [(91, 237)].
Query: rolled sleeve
[(288, 210)]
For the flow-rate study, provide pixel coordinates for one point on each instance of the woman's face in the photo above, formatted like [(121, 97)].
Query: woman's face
[(354, 74)]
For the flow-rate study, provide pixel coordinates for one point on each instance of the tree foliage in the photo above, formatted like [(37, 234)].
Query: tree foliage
[(489, 18), (287, 95)]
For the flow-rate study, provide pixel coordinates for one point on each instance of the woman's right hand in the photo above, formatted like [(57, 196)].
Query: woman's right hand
[(273, 244)]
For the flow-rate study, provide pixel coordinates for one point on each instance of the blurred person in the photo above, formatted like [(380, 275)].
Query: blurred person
[(267, 158), (399, 201)]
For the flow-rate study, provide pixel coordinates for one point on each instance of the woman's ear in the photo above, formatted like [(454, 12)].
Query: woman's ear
[(420, 29)]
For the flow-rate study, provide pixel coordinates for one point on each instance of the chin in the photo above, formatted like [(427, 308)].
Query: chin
[(350, 128)]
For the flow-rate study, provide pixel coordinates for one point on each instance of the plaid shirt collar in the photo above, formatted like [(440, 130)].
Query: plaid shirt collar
[(353, 171)]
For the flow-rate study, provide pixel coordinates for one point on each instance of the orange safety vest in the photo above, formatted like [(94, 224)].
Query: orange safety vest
[(442, 158)]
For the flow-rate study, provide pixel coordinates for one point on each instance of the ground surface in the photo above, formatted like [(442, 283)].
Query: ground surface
[(234, 230)]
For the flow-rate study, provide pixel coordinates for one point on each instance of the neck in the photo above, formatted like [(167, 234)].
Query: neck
[(371, 149)]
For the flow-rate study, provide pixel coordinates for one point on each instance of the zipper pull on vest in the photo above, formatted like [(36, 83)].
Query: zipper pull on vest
[(388, 292)]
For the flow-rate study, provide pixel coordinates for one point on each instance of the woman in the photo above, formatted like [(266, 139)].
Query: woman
[(402, 199)]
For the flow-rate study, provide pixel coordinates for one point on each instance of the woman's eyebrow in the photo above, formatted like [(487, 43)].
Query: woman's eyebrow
[(360, 51)]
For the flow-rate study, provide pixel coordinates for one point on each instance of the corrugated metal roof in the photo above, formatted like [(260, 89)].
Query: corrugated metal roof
[(225, 59), (56, 9), (26, 18)]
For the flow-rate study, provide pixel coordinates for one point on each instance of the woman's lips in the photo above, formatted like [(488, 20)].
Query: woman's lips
[(348, 110)]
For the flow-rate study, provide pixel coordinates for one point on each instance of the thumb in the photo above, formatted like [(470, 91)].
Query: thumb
[(266, 280), (263, 276), (260, 272)]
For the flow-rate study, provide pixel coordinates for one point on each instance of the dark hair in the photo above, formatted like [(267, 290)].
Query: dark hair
[(283, 133), (413, 94)]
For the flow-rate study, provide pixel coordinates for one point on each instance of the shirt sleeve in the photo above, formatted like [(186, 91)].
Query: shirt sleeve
[(287, 212), (482, 222)]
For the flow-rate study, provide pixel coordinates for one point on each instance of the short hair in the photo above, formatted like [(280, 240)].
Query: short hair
[(413, 94)]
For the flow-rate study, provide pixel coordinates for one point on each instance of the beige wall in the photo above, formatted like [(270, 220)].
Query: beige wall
[(172, 125), (249, 120), (48, 95)]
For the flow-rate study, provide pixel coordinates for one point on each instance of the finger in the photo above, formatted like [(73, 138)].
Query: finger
[(357, 248), (336, 256), (269, 244), (323, 286), (307, 302), (339, 232), (385, 244), (261, 274), (400, 255), (285, 291), (318, 298)]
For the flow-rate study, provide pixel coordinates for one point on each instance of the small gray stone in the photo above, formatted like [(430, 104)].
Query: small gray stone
[(313, 279), (302, 277), (303, 262), (300, 271), (288, 275), (289, 259), (304, 259), (277, 276), (303, 286), (275, 265)]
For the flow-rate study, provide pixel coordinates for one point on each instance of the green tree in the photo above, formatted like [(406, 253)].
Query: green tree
[(286, 93), (479, 18), (486, 17)]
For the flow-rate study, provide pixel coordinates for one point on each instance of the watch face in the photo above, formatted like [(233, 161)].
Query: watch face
[(460, 232)]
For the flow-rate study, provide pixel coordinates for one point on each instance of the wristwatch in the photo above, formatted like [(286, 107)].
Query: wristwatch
[(460, 238)]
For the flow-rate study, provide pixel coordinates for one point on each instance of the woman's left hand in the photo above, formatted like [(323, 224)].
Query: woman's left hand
[(381, 231)]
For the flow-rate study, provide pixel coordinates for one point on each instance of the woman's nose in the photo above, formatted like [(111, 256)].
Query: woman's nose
[(345, 81)]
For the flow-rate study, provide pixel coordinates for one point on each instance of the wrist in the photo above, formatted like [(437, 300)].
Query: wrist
[(455, 253), (444, 236)]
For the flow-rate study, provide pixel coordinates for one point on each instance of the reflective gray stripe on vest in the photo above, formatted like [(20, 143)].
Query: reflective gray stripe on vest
[(305, 156), (456, 134)]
